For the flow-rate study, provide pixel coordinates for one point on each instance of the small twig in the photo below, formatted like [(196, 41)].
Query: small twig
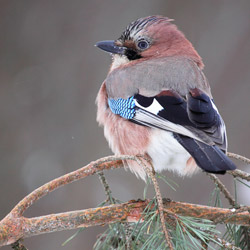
[(238, 157), (218, 240), (107, 189), (239, 173), (92, 168), (150, 173), (223, 189), (247, 236), (226, 244), (128, 236), (18, 246), (111, 200), (204, 244)]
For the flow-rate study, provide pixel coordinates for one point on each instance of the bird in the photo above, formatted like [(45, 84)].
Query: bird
[(157, 102)]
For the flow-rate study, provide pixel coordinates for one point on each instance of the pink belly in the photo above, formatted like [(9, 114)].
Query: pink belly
[(124, 137)]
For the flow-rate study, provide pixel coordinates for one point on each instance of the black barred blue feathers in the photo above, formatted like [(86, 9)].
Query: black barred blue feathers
[(123, 107)]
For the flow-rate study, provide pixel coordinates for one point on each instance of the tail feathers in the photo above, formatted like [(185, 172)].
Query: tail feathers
[(209, 158)]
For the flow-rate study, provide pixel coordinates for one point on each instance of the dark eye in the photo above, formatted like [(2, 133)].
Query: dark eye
[(143, 45)]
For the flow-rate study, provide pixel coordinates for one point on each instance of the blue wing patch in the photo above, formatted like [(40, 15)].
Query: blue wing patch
[(123, 107)]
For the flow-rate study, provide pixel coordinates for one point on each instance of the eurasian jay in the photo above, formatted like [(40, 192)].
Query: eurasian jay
[(157, 102)]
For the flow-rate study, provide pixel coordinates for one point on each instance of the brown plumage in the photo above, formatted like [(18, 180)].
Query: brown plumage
[(121, 133)]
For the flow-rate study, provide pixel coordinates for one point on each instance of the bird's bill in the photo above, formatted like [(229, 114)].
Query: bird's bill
[(111, 47)]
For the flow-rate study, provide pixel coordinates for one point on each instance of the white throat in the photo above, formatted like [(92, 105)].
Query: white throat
[(118, 60)]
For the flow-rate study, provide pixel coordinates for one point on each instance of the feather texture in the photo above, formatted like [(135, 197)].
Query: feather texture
[(193, 122), (150, 77), (156, 101)]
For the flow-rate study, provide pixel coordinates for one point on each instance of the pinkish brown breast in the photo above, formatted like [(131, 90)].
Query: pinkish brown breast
[(124, 137)]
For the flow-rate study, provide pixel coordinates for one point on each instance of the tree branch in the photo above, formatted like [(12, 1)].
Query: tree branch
[(223, 189), (14, 226), (238, 157), (9, 231), (106, 163), (239, 173), (150, 173)]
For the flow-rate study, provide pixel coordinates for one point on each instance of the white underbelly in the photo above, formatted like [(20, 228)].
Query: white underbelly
[(166, 153)]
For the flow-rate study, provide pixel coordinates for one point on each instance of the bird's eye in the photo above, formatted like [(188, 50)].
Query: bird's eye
[(143, 45)]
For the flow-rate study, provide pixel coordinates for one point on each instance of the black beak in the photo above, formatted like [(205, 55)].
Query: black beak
[(110, 47)]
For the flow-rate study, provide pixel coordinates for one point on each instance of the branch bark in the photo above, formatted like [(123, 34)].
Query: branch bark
[(223, 189), (15, 226)]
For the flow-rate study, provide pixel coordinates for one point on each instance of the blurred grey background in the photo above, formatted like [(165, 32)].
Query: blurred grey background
[(50, 73)]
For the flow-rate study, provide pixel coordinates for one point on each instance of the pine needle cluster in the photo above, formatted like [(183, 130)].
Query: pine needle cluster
[(185, 232)]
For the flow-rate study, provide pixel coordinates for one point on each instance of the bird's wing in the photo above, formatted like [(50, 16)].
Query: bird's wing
[(194, 121), (196, 117)]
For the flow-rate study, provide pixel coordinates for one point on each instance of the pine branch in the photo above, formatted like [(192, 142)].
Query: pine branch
[(110, 198), (222, 218), (14, 226), (238, 157), (225, 244), (150, 173), (212, 237), (11, 225), (239, 173), (106, 163), (223, 189), (18, 246)]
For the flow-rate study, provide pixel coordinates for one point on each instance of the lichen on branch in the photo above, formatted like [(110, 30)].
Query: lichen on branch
[(15, 226)]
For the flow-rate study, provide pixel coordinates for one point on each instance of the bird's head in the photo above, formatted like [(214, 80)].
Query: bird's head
[(147, 38)]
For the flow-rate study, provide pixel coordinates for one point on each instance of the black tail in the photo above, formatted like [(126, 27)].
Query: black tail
[(209, 158)]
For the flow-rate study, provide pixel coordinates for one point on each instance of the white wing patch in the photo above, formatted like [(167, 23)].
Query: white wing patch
[(148, 116), (151, 117), (154, 108)]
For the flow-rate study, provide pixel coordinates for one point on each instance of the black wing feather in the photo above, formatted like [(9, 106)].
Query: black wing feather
[(197, 116), (209, 158)]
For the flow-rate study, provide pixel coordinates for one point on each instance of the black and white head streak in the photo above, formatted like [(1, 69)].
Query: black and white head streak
[(133, 33), (134, 28)]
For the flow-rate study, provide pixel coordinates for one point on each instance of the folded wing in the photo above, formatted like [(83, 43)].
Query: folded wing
[(194, 121)]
